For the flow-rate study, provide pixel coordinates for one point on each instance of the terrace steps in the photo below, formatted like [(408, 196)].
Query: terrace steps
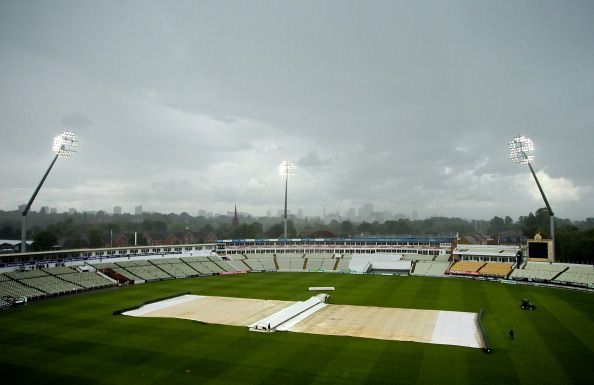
[(561, 272)]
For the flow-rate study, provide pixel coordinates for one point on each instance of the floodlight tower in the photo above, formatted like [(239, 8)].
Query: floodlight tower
[(286, 169), (521, 151), (64, 146)]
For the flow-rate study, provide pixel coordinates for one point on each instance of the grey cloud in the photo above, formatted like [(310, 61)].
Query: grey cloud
[(372, 100), (76, 122), (313, 159)]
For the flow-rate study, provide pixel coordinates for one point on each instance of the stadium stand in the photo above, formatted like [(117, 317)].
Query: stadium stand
[(213, 267), (16, 289), (126, 264), (26, 274), (148, 272), (200, 268), (541, 271), (501, 270), (268, 264), (203, 265), (442, 258), (343, 262), (320, 261), (581, 275), (126, 273), (88, 280), (39, 283), (58, 270), (254, 264), (175, 267), (290, 262), (430, 268), (105, 265), (225, 265), (417, 257), (262, 256), (238, 265), (51, 284), (313, 264), (328, 264), (166, 261), (466, 268)]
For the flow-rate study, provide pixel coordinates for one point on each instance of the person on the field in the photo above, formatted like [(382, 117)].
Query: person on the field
[(511, 334)]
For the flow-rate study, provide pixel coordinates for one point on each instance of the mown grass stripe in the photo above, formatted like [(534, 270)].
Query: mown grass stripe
[(77, 340)]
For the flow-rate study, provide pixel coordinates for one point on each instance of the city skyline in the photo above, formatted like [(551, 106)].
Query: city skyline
[(365, 213), (408, 106)]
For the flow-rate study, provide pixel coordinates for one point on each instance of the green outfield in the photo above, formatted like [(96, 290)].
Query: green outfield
[(77, 340)]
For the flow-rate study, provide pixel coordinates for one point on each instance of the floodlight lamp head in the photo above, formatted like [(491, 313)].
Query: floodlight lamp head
[(65, 144), (521, 150), (286, 168)]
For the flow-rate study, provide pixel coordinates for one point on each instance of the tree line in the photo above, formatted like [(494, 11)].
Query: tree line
[(574, 239)]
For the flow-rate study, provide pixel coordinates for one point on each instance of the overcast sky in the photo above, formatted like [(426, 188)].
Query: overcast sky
[(188, 105)]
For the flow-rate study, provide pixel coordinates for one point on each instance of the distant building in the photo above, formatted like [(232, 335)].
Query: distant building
[(138, 210), (72, 211), (117, 210), (22, 207), (235, 222), (366, 211), (351, 213), (53, 210), (472, 239), (44, 210)]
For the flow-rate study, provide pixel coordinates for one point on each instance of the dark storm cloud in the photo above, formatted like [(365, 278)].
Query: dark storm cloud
[(406, 105)]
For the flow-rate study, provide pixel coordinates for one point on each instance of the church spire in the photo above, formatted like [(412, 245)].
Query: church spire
[(235, 222)]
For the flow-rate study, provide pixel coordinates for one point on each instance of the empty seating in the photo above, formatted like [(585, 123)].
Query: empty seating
[(16, 289), (501, 270), (238, 265), (466, 267), (286, 263), (328, 264), (148, 272), (88, 280), (320, 261), (58, 270), (200, 268), (132, 263), (226, 266), (442, 258), (166, 261), (126, 273), (212, 267), (417, 257), (254, 264), (195, 259), (582, 275), (434, 268), (343, 263), (26, 274), (105, 265), (51, 284), (178, 269), (268, 264), (542, 271)]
